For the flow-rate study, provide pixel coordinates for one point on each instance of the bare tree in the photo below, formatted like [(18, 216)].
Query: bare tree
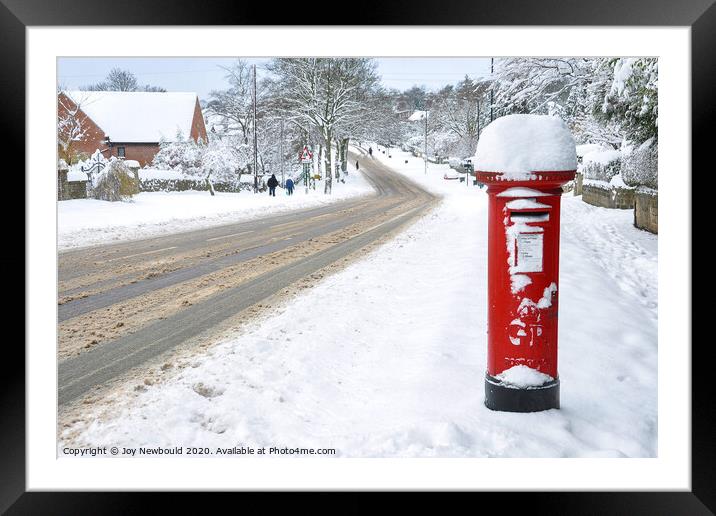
[(72, 125), (234, 104), (121, 80)]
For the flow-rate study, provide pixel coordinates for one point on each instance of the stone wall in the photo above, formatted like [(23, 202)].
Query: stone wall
[(61, 184), (646, 209), (608, 196), (76, 190), (578, 180), (67, 190)]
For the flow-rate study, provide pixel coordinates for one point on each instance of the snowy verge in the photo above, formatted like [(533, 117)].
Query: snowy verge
[(387, 358), (86, 222)]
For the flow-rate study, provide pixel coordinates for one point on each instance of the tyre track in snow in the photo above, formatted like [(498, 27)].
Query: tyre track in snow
[(397, 201)]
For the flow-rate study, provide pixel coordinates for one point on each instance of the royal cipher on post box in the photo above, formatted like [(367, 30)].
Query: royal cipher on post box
[(524, 160)]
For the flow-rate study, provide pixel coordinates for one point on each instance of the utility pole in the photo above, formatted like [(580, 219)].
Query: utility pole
[(425, 115), (256, 171), (492, 88), (280, 150)]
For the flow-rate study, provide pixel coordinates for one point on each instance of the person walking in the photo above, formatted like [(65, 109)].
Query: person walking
[(272, 184), (370, 151), (289, 186), (357, 167)]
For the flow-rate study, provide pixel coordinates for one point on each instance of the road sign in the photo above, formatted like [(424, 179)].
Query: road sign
[(306, 155)]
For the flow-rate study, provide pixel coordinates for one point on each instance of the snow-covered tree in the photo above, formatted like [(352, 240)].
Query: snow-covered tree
[(115, 182), (632, 99), (72, 126), (182, 154), (234, 105), (381, 123), (221, 161), (326, 93), (528, 85), (459, 115)]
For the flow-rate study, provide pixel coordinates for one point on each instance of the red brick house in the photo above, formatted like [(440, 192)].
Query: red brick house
[(130, 124)]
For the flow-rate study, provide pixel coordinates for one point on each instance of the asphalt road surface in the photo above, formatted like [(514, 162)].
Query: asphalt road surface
[(102, 282)]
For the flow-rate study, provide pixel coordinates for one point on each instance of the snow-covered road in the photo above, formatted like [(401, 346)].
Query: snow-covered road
[(387, 357)]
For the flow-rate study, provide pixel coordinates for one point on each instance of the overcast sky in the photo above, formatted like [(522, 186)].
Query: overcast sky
[(203, 74)]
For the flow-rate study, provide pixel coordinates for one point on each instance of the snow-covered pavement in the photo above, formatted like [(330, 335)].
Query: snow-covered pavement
[(85, 222), (387, 357)]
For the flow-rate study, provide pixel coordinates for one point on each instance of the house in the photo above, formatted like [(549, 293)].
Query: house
[(402, 110), (418, 116), (130, 124)]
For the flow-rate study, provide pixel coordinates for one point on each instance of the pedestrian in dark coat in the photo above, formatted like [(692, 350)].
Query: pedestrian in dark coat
[(357, 167), (289, 186), (272, 184)]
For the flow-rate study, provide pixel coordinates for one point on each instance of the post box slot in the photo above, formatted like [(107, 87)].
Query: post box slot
[(529, 216)]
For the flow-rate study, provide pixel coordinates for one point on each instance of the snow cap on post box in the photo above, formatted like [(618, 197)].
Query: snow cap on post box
[(517, 146)]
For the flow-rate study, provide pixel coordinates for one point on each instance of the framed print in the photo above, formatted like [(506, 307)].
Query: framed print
[(341, 257)]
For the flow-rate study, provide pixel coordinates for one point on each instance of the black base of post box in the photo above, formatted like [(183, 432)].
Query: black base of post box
[(499, 396)]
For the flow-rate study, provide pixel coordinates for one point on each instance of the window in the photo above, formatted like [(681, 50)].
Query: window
[(120, 152)]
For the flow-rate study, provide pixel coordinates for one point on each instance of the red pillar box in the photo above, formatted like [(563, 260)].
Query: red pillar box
[(524, 160)]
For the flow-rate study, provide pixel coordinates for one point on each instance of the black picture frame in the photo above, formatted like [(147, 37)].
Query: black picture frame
[(17, 15)]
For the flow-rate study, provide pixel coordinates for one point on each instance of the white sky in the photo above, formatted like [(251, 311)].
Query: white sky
[(203, 74)]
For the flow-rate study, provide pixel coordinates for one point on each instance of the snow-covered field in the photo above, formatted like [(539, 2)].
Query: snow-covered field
[(387, 357), (85, 222)]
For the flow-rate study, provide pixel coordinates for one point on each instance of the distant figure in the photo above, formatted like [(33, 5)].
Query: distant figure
[(272, 184), (289, 186), (370, 151), (357, 166)]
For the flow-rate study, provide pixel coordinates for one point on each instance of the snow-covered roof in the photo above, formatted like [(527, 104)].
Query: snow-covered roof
[(518, 145), (138, 116), (418, 115)]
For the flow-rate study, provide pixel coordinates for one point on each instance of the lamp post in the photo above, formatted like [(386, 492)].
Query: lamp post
[(492, 88), (425, 116), (256, 171)]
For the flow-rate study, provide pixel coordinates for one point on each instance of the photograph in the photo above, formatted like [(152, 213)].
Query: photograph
[(420, 253), (346, 257)]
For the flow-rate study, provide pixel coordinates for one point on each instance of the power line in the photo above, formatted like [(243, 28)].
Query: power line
[(144, 73)]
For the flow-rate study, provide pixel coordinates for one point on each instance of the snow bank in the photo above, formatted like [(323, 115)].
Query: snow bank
[(518, 145), (523, 377), (146, 174), (601, 164), (75, 174), (618, 182)]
